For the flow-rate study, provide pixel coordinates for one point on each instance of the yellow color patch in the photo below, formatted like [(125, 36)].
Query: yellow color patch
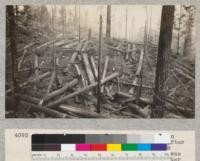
[(114, 147)]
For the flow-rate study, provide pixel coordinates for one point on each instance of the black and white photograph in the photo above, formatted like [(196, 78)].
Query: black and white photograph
[(100, 61)]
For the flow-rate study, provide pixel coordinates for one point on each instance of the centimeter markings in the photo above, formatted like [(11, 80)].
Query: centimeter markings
[(164, 157), (102, 158)]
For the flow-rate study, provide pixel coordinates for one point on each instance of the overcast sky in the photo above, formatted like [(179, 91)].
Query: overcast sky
[(136, 15)]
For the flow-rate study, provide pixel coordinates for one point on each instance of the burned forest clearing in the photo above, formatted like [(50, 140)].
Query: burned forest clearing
[(60, 66)]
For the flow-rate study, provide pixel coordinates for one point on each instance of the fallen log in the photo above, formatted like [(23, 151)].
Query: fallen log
[(115, 49), (80, 74), (64, 50), (105, 70), (185, 70), (91, 86), (128, 96), (138, 73), (30, 81), (130, 84), (185, 74), (129, 100), (22, 59), (25, 52), (94, 68), (178, 106), (36, 65), (53, 77), (138, 109), (116, 110), (27, 98), (108, 93), (73, 57), (185, 65), (59, 91), (21, 70), (139, 68), (85, 45), (131, 50), (88, 68), (70, 45), (80, 112), (174, 116), (127, 52), (32, 101), (47, 111), (62, 42), (105, 67), (47, 44), (131, 115)]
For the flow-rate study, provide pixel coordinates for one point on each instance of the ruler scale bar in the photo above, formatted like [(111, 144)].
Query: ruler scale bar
[(161, 156)]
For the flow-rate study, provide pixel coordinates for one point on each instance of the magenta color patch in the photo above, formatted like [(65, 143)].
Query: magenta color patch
[(82, 147)]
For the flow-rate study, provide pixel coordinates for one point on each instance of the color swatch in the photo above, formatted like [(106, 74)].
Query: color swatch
[(99, 147), (99, 142), (100, 138)]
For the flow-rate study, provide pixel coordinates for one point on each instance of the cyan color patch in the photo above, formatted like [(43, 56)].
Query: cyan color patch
[(144, 147)]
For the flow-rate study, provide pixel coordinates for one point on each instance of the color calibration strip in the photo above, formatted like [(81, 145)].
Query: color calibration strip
[(99, 147), (100, 142), (101, 138)]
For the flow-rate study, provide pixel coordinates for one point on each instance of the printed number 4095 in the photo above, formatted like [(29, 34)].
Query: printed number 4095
[(21, 135)]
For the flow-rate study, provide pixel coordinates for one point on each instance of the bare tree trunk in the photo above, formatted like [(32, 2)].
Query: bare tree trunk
[(133, 23), (79, 25), (108, 25), (188, 37), (126, 23), (13, 45), (99, 67), (86, 20), (164, 47), (16, 10), (149, 33), (179, 28), (75, 19)]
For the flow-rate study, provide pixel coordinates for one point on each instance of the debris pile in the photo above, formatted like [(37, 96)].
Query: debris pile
[(60, 80)]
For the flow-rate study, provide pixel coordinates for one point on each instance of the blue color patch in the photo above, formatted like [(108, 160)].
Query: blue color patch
[(144, 147)]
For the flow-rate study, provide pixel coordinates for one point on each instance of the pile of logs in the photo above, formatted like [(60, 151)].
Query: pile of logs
[(181, 94), (54, 102), (76, 97)]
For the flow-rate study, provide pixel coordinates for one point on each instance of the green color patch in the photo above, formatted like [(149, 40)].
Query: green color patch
[(129, 147)]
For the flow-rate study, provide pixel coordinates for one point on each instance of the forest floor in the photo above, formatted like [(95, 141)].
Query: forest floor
[(119, 95)]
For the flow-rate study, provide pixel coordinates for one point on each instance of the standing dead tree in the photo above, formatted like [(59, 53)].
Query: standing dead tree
[(63, 20), (13, 46), (164, 47), (189, 30), (108, 24), (99, 67), (126, 23), (79, 25), (179, 28), (54, 73)]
